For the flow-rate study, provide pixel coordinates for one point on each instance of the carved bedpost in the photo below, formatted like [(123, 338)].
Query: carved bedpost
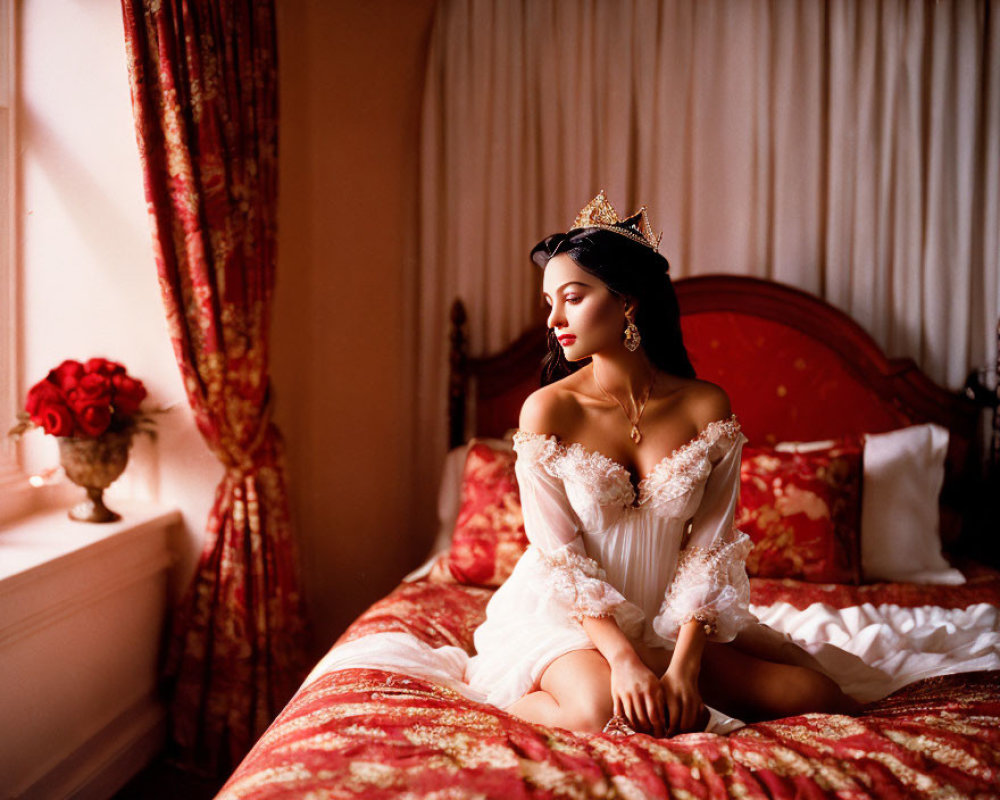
[(977, 390), (984, 505), (995, 449), (457, 376)]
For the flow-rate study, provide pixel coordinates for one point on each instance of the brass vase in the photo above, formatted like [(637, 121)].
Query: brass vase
[(94, 464)]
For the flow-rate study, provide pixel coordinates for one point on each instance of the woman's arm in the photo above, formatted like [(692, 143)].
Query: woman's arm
[(680, 681), (710, 584), (635, 692)]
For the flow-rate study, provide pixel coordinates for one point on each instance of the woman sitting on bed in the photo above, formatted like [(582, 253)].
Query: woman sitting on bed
[(631, 601)]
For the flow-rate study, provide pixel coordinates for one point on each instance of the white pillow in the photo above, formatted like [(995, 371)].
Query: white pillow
[(449, 496), (450, 500), (903, 475)]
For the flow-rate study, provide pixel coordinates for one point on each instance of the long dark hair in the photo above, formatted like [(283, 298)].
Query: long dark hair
[(628, 269)]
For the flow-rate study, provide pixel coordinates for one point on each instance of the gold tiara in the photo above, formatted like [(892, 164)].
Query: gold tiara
[(599, 213)]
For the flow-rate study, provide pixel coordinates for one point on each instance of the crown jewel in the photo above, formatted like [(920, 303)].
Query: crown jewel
[(599, 213)]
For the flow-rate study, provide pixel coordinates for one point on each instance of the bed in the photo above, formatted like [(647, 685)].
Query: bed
[(827, 416)]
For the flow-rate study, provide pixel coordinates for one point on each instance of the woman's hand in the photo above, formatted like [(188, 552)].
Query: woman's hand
[(637, 695), (682, 698)]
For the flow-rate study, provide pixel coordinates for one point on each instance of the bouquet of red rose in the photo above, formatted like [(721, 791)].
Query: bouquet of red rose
[(85, 400)]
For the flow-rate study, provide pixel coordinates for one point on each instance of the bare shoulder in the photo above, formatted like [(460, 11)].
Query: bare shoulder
[(553, 409), (707, 402)]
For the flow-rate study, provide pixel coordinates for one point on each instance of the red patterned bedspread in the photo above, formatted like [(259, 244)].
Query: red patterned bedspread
[(982, 586), (374, 734)]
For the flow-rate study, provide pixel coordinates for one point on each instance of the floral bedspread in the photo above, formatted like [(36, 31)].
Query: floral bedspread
[(362, 733), (982, 586)]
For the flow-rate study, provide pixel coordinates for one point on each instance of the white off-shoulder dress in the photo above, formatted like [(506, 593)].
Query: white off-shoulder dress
[(656, 558), (653, 558)]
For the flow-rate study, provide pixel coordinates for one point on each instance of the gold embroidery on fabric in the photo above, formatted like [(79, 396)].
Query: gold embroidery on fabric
[(548, 776), (628, 789), (791, 762), (827, 775), (325, 742), (941, 752), (969, 725), (382, 776), (905, 774), (269, 777)]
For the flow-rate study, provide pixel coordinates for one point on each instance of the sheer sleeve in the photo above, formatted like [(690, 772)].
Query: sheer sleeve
[(710, 584), (573, 579)]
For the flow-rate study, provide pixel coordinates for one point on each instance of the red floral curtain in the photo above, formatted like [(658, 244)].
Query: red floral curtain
[(204, 95)]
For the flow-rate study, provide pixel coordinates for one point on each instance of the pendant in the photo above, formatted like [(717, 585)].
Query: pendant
[(636, 436)]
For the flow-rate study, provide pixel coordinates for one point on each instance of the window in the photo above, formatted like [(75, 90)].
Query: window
[(9, 312)]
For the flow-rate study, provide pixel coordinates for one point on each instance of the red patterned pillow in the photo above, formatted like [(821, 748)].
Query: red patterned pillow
[(489, 532), (803, 512)]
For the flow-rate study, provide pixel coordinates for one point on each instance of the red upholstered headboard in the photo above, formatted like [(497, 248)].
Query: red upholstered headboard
[(795, 368)]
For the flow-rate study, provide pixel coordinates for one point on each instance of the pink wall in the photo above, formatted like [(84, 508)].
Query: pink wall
[(351, 79), (351, 82)]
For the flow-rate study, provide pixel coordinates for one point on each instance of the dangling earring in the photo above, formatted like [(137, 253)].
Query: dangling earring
[(632, 337)]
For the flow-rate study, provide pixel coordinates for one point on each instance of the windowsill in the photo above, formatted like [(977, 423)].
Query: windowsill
[(19, 500), (49, 541)]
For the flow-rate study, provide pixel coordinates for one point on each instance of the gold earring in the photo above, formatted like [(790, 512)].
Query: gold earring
[(632, 337)]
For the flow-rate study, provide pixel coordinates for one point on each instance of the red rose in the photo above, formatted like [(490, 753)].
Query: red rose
[(41, 393), (91, 390), (55, 418), (101, 366), (66, 375), (94, 419), (128, 394), (85, 399), (47, 409)]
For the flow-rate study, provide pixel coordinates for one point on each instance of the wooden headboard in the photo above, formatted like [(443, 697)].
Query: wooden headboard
[(795, 368)]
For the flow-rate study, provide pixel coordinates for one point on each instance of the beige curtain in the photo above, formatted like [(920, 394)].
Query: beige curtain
[(850, 148)]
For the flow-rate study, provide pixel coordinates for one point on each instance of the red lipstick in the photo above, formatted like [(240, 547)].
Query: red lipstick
[(566, 339)]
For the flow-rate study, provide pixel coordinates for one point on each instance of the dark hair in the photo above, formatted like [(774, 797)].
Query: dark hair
[(628, 269)]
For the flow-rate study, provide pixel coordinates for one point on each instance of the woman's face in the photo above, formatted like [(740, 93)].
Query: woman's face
[(584, 315)]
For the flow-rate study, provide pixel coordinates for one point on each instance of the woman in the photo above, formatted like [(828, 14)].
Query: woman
[(631, 601)]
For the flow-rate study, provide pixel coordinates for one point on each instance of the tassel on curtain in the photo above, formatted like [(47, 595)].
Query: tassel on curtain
[(204, 95)]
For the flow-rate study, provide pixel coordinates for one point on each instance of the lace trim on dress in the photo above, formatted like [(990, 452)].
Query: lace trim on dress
[(579, 582), (575, 462), (538, 449), (596, 470), (677, 475), (671, 477), (710, 586)]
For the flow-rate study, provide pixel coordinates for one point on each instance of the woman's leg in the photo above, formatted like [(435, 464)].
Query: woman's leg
[(752, 688), (766, 643), (574, 693)]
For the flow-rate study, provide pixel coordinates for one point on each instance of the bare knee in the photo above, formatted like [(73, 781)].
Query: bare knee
[(590, 715), (753, 688), (833, 700), (808, 691), (580, 685)]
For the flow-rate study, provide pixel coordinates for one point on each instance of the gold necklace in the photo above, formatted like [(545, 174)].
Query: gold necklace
[(635, 434)]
